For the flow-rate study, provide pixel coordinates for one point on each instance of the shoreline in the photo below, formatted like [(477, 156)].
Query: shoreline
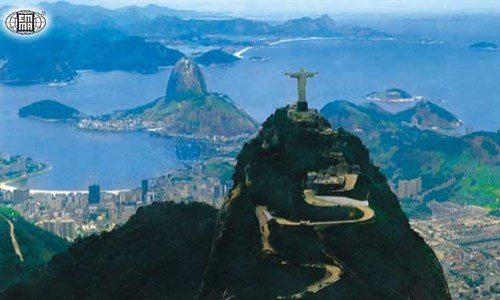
[(239, 53), (6, 186), (269, 43), (312, 38)]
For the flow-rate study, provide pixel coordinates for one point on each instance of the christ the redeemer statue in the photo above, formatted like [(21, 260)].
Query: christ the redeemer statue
[(301, 77)]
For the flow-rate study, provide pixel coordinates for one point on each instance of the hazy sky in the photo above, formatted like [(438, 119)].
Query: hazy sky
[(309, 7)]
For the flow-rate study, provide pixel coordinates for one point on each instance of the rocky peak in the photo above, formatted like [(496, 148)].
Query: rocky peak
[(276, 239), (186, 81), (327, 22)]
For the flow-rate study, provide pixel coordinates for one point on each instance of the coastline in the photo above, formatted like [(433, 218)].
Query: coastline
[(6, 185), (239, 53), (312, 38)]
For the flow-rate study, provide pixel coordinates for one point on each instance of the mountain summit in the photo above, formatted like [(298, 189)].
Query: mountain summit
[(186, 81), (310, 216)]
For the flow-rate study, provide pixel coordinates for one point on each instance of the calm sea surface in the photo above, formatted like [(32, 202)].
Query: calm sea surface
[(467, 81)]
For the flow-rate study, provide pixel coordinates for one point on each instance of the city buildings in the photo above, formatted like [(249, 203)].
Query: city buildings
[(409, 188), (144, 189), (94, 194), (62, 227)]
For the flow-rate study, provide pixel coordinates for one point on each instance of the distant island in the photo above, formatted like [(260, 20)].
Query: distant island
[(50, 110), (484, 46), (392, 96), (258, 58), (216, 57)]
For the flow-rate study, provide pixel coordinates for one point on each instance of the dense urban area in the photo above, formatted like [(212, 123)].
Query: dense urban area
[(73, 214)]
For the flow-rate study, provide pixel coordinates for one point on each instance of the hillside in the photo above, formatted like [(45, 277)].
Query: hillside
[(57, 58), (36, 247), (428, 115), (127, 54), (467, 166), (171, 251), (50, 110), (187, 110), (160, 253)]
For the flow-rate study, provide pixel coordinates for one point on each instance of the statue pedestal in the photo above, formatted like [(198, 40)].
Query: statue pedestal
[(302, 106)]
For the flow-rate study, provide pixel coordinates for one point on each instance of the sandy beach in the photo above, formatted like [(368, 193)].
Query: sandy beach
[(5, 186), (239, 53)]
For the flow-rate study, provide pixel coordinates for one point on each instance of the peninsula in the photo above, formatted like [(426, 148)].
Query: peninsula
[(187, 110)]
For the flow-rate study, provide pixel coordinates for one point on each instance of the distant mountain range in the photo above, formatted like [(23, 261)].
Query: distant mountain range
[(189, 29), (36, 247), (412, 144), (128, 39)]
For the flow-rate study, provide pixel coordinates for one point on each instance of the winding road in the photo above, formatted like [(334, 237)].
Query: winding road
[(13, 239), (332, 271)]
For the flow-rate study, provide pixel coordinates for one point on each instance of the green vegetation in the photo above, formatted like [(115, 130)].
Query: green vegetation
[(403, 152), (50, 110), (479, 183), (36, 245), (427, 114), (214, 115), (160, 253)]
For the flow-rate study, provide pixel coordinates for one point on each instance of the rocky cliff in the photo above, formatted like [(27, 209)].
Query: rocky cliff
[(186, 81)]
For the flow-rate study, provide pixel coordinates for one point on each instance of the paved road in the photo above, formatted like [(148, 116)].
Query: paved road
[(260, 211), (311, 199), (332, 275), (13, 239), (368, 213), (332, 272)]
